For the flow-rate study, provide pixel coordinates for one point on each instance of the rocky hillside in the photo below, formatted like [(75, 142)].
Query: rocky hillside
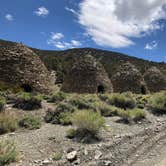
[(62, 60)]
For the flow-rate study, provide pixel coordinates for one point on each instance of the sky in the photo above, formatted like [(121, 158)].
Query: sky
[(136, 28)]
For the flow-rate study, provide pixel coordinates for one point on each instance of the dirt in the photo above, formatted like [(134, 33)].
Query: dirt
[(141, 144)]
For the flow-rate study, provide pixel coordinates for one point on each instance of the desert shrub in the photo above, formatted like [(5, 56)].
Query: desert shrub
[(2, 103), (157, 103), (107, 110), (10, 88), (133, 115), (122, 100), (84, 101), (8, 123), (61, 114), (88, 123), (28, 101), (142, 100), (57, 97), (30, 122), (57, 156), (65, 118), (71, 133), (8, 152)]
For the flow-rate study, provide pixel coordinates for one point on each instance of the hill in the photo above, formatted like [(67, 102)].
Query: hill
[(62, 60)]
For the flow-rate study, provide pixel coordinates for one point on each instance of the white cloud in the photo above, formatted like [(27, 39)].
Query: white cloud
[(152, 45), (114, 22), (56, 36), (71, 10), (42, 11), (56, 40), (9, 17)]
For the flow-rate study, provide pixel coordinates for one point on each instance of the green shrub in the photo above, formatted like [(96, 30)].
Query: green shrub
[(107, 110), (8, 152), (122, 100), (142, 100), (57, 97), (57, 156), (8, 123), (84, 102), (10, 87), (71, 133), (61, 114), (30, 122), (133, 115), (87, 123), (28, 101), (2, 103), (157, 103), (65, 118)]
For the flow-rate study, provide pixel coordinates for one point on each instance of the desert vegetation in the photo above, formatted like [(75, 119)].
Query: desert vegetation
[(8, 152), (83, 116)]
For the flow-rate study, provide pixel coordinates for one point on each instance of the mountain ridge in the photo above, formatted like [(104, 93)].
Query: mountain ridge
[(61, 61)]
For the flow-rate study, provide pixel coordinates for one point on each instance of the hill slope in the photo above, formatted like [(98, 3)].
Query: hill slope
[(62, 60)]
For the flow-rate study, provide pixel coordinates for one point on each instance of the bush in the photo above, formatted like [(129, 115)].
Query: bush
[(8, 153), (124, 101), (134, 115), (58, 97), (65, 118), (142, 100), (61, 114), (57, 156), (87, 123), (27, 101), (30, 122), (157, 103), (107, 110), (71, 133), (8, 123), (2, 103), (85, 102)]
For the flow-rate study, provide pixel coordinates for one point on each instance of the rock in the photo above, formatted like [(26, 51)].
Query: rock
[(85, 152), (72, 156), (77, 162), (46, 162), (107, 163), (12, 134), (98, 154)]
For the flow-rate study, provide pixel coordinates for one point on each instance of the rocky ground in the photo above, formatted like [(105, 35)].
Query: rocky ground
[(141, 144)]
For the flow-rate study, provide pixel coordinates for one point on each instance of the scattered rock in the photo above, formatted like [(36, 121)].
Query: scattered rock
[(72, 156), (98, 154), (86, 152), (46, 162)]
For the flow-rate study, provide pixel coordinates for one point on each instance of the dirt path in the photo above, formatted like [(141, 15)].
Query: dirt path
[(145, 148)]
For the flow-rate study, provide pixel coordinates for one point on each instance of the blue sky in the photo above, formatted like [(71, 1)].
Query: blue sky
[(137, 28)]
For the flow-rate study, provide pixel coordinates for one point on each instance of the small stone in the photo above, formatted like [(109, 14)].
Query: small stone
[(85, 152), (118, 136), (77, 162), (12, 134), (72, 156), (98, 154), (107, 163), (46, 162)]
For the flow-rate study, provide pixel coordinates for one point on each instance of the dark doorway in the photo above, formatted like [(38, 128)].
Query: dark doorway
[(143, 90), (100, 89), (26, 88)]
